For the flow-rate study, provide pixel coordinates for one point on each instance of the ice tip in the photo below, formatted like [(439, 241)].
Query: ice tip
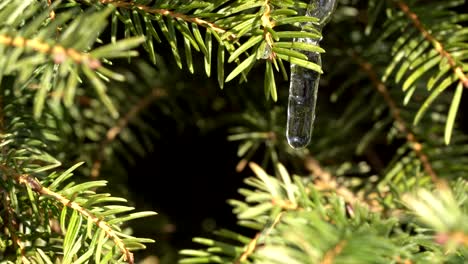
[(298, 142)]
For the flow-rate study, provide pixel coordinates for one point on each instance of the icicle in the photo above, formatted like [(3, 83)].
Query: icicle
[(304, 82)]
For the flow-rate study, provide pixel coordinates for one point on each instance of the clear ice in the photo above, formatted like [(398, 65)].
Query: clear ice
[(304, 82)]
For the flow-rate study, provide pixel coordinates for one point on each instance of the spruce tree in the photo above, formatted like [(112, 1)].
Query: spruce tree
[(89, 88)]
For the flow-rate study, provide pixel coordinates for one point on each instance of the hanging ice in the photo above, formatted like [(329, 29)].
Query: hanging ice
[(304, 82)]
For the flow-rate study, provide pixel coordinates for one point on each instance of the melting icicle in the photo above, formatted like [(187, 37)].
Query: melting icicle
[(304, 82)]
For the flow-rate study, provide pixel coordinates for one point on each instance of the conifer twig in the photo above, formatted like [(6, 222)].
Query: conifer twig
[(252, 245), (59, 53), (458, 70), (330, 255), (249, 249), (166, 12), (37, 187), (266, 24), (13, 226), (114, 131), (284, 204), (2, 124), (326, 181), (400, 260), (52, 12), (395, 111), (10, 217)]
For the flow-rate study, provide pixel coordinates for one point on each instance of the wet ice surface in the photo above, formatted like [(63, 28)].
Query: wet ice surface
[(323, 10), (301, 104), (304, 83)]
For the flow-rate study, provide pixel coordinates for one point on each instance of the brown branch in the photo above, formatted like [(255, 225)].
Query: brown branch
[(36, 186), (286, 205), (400, 260), (395, 111), (114, 131), (249, 250), (2, 119), (166, 12), (52, 12), (266, 24), (58, 52), (13, 226), (330, 255), (10, 214), (253, 243), (326, 181), (437, 45)]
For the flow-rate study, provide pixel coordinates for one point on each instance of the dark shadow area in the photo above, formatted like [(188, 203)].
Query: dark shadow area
[(187, 180)]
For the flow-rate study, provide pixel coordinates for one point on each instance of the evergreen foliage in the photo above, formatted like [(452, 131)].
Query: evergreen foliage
[(384, 180)]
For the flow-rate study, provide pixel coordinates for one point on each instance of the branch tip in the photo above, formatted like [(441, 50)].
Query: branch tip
[(395, 111), (458, 70)]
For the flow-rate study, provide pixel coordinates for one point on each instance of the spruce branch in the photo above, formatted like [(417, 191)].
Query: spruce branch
[(37, 187), (12, 225), (321, 219), (253, 244), (330, 255), (325, 181), (52, 12), (395, 111), (457, 69), (288, 205), (2, 121), (38, 57), (58, 52), (284, 204), (29, 181), (428, 50), (318, 230), (255, 22), (440, 210), (268, 25), (249, 250), (169, 13)]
